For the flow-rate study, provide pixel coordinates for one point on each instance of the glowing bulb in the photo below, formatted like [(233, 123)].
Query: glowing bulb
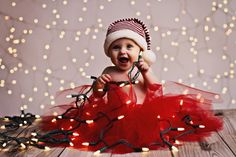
[(71, 144), (34, 139), (128, 101), (89, 121), (144, 149), (217, 96), (201, 126), (176, 19), (97, 152), (100, 90), (6, 119), (174, 148), (75, 134), (23, 145), (54, 120), (180, 129), (69, 96), (138, 13), (101, 7), (85, 144), (177, 142), (46, 148), (34, 134), (4, 144), (3, 127), (121, 117), (122, 85)]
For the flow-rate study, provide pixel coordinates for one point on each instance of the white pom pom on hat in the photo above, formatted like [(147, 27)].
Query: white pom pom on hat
[(134, 29)]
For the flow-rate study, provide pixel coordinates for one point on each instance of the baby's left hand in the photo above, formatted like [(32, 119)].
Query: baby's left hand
[(142, 66)]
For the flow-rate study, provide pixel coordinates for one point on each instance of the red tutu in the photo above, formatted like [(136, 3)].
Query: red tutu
[(115, 123)]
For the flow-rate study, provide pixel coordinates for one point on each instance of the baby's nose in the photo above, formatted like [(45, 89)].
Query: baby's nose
[(123, 50)]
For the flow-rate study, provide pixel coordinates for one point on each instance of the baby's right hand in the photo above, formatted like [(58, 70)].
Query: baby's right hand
[(104, 79)]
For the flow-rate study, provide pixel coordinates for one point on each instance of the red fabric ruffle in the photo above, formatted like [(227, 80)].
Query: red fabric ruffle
[(164, 105)]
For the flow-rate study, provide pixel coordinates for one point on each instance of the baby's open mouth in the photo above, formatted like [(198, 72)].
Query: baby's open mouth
[(123, 59)]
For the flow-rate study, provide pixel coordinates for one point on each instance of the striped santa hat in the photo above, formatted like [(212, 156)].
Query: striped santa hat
[(134, 29)]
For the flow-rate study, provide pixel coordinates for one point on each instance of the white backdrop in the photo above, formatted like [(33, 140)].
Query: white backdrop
[(47, 46)]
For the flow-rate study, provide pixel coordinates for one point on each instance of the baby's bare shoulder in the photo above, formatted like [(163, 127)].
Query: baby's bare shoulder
[(108, 70)]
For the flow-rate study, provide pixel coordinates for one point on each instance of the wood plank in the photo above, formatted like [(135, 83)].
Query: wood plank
[(159, 153), (218, 148), (33, 152), (76, 153), (228, 134)]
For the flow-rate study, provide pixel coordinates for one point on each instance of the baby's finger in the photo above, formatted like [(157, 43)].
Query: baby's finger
[(106, 78), (101, 80)]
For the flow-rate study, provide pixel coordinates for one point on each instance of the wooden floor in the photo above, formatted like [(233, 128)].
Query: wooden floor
[(221, 144)]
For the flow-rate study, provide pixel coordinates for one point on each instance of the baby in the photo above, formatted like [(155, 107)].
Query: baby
[(135, 115), (126, 41)]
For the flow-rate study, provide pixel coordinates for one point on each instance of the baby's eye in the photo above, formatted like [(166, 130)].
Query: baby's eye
[(115, 47), (129, 46)]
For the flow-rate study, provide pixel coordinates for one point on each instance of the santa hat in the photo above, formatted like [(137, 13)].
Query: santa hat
[(134, 29)]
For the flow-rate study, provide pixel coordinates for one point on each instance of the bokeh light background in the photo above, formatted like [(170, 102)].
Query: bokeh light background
[(50, 45)]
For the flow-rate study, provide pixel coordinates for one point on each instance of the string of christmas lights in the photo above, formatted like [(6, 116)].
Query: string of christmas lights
[(66, 136)]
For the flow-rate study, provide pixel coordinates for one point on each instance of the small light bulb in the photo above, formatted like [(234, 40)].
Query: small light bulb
[(34, 139), (75, 134), (144, 149), (23, 145), (177, 142), (122, 85), (71, 144), (46, 148), (34, 134), (89, 121), (3, 127), (174, 148), (180, 129), (128, 101), (100, 90), (201, 126), (37, 116), (69, 96), (97, 152), (85, 144), (121, 117), (4, 144)]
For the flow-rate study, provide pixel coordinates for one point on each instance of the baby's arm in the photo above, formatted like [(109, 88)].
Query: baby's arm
[(100, 84), (147, 73)]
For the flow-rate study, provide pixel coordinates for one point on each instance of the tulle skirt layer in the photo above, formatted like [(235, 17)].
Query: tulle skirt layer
[(115, 123)]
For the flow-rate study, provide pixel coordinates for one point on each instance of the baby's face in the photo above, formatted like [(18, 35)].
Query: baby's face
[(123, 53)]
